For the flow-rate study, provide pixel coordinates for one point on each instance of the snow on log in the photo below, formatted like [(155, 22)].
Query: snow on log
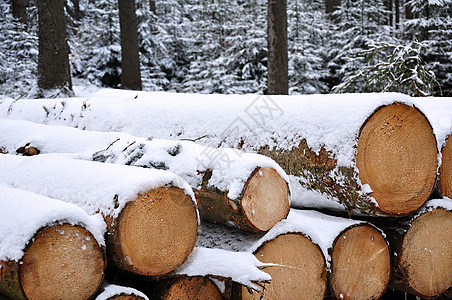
[(423, 250), (49, 249), (368, 153), (358, 266), (116, 292), (151, 214), (249, 191)]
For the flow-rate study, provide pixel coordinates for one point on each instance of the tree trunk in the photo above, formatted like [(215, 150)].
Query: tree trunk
[(332, 6), (422, 253), (152, 7), (383, 166), (261, 205), (19, 10), (397, 13), (151, 216), (262, 197), (303, 249), (301, 274), (54, 267), (53, 60), (277, 63), (395, 155), (131, 76)]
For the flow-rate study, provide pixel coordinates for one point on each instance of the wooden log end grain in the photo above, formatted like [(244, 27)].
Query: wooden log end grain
[(62, 262), (397, 157), (191, 288), (445, 171), (425, 258), (265, 199), (360, 264), (302, 270), (155, 233)]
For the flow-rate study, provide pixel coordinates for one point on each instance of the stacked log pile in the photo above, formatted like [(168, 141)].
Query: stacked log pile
[(373, 163)]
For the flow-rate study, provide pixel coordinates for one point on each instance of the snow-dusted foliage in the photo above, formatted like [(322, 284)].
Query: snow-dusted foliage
[(18, 55), (393, 68), (220, 46)]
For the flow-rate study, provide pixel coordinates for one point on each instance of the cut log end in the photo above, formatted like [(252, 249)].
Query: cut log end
[(192, 288), (265, 200), (397, 157), (446, 169), (302, 273), (425, 259), (157, 231), (63, 262), (360, 264)]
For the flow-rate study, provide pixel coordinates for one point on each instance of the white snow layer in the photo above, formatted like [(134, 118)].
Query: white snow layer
[(95, 187), (24, 213), (241, 267), (230, 168), (321, 229), (332, 121), (112, 290), (445, 203)]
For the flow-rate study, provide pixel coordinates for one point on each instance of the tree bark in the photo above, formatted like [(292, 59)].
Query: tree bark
[(19, 10), (422, 259), (277, 63), (131, 76), (53, 60), (54, 267)]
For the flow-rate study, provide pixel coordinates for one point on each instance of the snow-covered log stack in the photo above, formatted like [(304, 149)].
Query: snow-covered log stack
[(303, 247), (368, 153), (422, 255), (49, 249), (249, 191), (151, 214)]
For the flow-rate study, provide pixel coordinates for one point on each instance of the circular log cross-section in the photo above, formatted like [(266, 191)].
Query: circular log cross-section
[(302, 274), (445, 171), (425, 259), (397, 157), (192, 288), (265, 199), (156, 232), (63, 262), (360, 264)]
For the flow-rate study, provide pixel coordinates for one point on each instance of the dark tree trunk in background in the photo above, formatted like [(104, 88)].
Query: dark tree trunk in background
[(152, 7), (131, 76), (277, 65), (389, 5), (53, 60), (19, 9), (330, 7), (397, 13)]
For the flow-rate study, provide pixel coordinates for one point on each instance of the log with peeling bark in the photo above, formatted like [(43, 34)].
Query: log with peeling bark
[(248, 191), (293, 244), (445, 170), (151, 215), (422, 250), (370, 154), (47, 250)]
